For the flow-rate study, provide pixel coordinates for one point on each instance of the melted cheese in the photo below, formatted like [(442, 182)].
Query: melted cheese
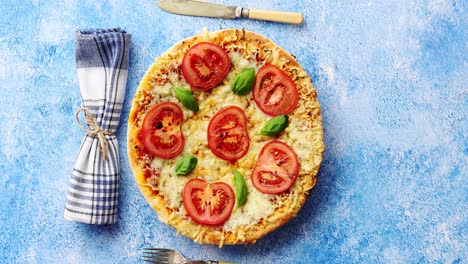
[(171, 185), (239, 63), (258, 205), (165, 90)]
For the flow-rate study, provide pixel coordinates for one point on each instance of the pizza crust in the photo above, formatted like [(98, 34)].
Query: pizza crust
[(304, 134)]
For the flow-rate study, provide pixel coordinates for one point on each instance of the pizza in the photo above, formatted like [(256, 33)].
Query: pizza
[(225, 137)]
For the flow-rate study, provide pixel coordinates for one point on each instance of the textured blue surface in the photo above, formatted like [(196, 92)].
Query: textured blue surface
[(392, 81)]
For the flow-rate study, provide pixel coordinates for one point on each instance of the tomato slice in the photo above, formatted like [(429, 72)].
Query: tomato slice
[(227, 134), (205, 65), (208, 204), (274, 92), (160, 132), (276, 168)]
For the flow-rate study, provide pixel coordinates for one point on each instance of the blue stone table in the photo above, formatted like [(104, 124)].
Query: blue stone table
[(392, 82)]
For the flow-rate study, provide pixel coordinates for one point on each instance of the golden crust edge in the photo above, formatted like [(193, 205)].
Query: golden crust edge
[(157, 203)]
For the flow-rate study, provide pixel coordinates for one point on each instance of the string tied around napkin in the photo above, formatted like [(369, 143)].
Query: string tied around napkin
[(95, 129)]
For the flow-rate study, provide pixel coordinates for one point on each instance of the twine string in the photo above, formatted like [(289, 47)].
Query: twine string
[(94, 130)]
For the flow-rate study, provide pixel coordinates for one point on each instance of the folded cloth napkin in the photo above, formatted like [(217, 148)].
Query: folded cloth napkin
[(102, 62)]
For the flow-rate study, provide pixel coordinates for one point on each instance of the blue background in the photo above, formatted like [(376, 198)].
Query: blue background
[(392, 80)]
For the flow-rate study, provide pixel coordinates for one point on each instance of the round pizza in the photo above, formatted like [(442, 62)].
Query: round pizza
[(225, 137)]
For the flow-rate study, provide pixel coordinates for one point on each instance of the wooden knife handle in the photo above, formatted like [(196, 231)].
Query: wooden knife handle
[(276, 16)]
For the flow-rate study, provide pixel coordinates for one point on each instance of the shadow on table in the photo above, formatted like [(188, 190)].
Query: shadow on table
[(101, 229)]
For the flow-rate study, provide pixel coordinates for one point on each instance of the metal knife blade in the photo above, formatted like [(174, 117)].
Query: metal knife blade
[(198, 8)]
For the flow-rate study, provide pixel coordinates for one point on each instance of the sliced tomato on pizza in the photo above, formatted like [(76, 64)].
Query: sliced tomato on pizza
[(227, 134), (205, 65), (276, 169), (274, 92), (160, 132)]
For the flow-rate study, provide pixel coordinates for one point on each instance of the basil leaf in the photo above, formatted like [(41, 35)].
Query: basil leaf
[(275, 125), (186, 98), (186, 165), (241, 189), (243, 82)]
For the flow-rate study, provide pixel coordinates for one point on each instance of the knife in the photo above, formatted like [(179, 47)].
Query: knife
[(199, 8)]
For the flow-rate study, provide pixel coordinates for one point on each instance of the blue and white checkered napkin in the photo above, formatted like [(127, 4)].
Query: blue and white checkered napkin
[(102, 62)]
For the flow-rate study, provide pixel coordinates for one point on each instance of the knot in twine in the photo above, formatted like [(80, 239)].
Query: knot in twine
[(94, 130)]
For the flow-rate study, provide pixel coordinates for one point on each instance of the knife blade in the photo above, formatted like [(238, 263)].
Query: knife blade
[(206, 9)]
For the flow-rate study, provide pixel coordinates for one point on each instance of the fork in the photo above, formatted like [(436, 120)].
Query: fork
[(169, 256)]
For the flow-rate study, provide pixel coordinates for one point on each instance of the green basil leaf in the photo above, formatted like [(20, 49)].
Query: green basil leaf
[(275, 125), (241, 189), (186, 98), (244, 81), (186, 165)]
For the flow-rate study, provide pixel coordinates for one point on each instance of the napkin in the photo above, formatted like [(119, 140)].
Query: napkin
[(102, 64)]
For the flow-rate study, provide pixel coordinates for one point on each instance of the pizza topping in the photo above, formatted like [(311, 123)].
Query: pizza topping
[(208, 203), (244, 81), (303, 132), (227, 134), (205, 65), (275, 125), (276, 169), (186, 165), (160, 132), (186, 98), (275, 92), (241, 189)]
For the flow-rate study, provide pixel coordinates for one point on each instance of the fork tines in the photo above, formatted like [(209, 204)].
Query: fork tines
[(156, 255)]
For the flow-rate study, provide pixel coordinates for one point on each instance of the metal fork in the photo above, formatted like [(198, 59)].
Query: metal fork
[(169, 256)]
